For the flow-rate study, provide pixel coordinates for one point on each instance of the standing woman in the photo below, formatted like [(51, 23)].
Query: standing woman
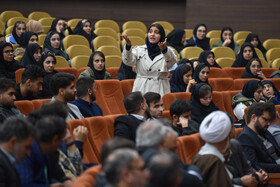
[(52, 44), (32, 55), (8, 65), (84, 28), (255, 41), (199, 38), (247, 52), (176, 39), (26, 38), (253, 70), (18, 29), (152, 61), (201, 73), (96, 65), (60, 25), (227, 40), (208, 57)]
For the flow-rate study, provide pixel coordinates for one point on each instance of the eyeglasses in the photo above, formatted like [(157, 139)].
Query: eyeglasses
[(8, 51), (266, 119)]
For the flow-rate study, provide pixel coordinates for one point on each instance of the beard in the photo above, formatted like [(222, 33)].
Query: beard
[(92, 97), (69, 97), (261, 130), (147, 113)]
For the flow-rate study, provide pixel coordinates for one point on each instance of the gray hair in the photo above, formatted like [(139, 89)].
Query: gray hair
[(151, 133), (117, 161)]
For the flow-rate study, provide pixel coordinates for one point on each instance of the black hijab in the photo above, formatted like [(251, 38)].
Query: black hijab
[(199, 111), (203, 58), (28, 55), (240, 61), (7, 69), (80, 31), (14, 32), (250, 37), (232, 42), (204, 43), (174, 39), (247, 73), (177, 83), (25, 37), (53, 27), (250, 87), (48, 47), (99, 75), (276, 100), (153, 49), (197, 70)]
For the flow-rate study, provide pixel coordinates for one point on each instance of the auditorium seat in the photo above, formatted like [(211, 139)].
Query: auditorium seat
[(268, 71), (106, 31), (61, 62), (46, 21), (217, 73), (272, 54), (113, 61), (80, 61), (127, 85), (170, 97), (133, 25), (110, 50), (191, 52), (24, 106), (108, 23), (235, 73), (100, 41), (223, 52), (87, 178), (13, 20), (214, 34), (166, 114), (113, 71), (18, 75), (189, 33), (225, 61), (276, 63), (74, 40), (218, 100), (73, 22), (241, 35), (135, 32), (37, 103), (41, 39), (75, 50), (213, 41), (221, 84), (239, 83), (271, 43), (135, 40), (72, 71), (6, 15), (227, 100)]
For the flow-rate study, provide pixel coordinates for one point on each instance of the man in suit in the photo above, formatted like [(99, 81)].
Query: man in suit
[(257, 142), (138, 111), (16, 139)]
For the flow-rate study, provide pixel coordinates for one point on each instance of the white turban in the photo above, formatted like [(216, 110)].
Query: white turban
[(215, 127)]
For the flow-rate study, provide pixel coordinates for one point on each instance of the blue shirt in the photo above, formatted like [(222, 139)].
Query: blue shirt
[(88, 109)]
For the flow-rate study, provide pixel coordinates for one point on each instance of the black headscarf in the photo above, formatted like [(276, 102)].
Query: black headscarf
[(197, 70), (232, 42), (260, 45), (7, 69), (247, 73), (174, 39), (53, 27), (204, 43), (276, 100), (177, 83), (48, 47), (25, 37), (250, 87), (153, 49), (203, 58), (14, 32), (80, 31), (186, 61), (240, 61), (199, 111), (99, 75), (28, 55)]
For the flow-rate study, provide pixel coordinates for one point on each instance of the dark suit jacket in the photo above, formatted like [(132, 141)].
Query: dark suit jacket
[(256, 152), (126, 126), (8, 173)]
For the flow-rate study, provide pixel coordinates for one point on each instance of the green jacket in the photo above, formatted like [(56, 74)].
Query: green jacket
[(220, 44), (89, 73), (239, 98)]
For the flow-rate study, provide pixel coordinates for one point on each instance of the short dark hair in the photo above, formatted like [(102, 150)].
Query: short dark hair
[(259, 108), (179, 106), (6, 84), (16, 126), (49, 126), (204, 90), (132, 102), (83, 84), (152, 97), (32, 72), (60, 80)]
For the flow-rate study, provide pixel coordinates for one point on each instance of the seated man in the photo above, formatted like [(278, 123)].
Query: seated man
[(86, 97), (31, 83), (259, 146), (180, 112), (138, 111), (7, 98), (155, 104), (63, 89)]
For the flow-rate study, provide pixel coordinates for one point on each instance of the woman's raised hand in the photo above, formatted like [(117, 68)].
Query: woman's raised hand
[(162, 45), (128, 42)]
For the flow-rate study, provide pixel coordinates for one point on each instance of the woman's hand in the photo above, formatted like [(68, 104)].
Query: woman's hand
[(192, 82), (226, 42), (261, 75), (162, 45), (128, 42)]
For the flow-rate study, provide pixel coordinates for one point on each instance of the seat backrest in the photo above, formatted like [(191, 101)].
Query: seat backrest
[(80, 61), (268, 71), (235, 73), (213, 41), (133, 25), (18, 74), (227, 99), (240, 41), (46, 21), (9, 30), (166, 114), (214, 34), (38, 15), (259, 53), (108, 23), (74, 40), (127, 85), (61, 62), (217, 73), (271, 43), (113, 71), (221, 84), (225, 61), (276, 63), (37, 103), (110, 119), (170, 97), (106, 31), (87, 178), (6, 15), (73, 71), (135, 40), (239, 83), (190, 52), (41, 39), (24, 106), (241, 35), (189, 33), (223, 52), (113, 61), (218, 100), (105, 41), (75, 50), (272, 54), (13, 20), (73, 23), (110, 50), (165, 25), (135, 32)]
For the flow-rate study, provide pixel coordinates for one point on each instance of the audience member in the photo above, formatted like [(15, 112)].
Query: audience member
[(32, 55), (63, 90), (84, 28), (86, 93), (31, 83), (255, 41), (246, 53), (176, 39), (16, 138), (155, 104), (2, 38), (60, 25), (18, 29), (253, 70), (96, 65), (270, 92), (152, 61), (26, 38), (201, 73), (208, 58), (199, 38), (34, 26), (138, 111)]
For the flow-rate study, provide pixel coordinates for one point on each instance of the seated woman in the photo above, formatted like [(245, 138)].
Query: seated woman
[(247, 52), (8, 65), (97, 69), (2, 38), (208, 57), (47, 62), (255, 41), (253, 70), (18, 29), (176, 39), (201, 73), (60, 25), (199, 38), (84, 28), (251, 92), (32, 55), (26, 38), (227, 40), (181, 79), (201, 102), (34, 26), (52, 44), (270, 92)]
